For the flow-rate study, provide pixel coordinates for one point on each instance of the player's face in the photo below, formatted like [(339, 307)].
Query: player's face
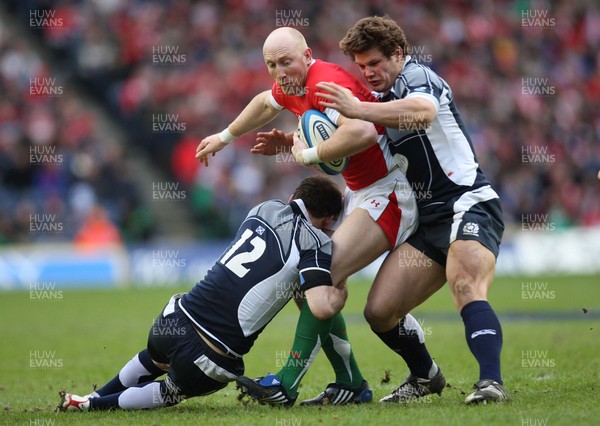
[(379, 70), (288, 68)]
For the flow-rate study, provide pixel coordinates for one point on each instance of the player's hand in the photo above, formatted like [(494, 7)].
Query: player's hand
[(340, 99), (209, 145), (269, 142), (297, 149)]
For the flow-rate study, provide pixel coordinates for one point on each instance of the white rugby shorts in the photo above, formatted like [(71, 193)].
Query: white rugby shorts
[(390, 202)]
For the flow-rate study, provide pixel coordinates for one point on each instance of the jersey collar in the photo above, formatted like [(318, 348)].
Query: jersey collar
[(298, 207)]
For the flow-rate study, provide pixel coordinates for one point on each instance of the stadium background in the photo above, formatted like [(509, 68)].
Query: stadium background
[(104, 103)]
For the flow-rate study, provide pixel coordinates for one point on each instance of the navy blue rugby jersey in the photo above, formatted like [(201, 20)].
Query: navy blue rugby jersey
[(438, 159), (276, 254)]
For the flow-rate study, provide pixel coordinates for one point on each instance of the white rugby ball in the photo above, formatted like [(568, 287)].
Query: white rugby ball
[(315, 127)]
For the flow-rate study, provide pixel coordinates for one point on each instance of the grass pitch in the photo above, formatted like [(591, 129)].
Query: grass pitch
[(72, 339)]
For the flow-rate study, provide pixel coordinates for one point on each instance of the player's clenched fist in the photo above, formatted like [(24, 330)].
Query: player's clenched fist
[(209, 145)]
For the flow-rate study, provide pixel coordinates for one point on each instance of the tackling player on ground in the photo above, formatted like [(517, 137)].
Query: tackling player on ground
[(460, 215), (200, 337)]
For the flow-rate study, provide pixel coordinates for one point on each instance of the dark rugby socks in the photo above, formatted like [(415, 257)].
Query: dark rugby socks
[(484, 337), (408, 340)]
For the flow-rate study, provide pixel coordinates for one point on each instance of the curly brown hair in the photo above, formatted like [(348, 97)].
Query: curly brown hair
[(374, 31)]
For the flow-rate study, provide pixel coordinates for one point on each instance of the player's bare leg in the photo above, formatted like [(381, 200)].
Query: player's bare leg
[(470, 270), (406, 279), (357, 242), (400, 286)]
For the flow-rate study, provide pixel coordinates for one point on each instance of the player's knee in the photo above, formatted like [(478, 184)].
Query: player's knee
[(323, 311), (465, 290), (323, 315), (374, 316), (382, 318)]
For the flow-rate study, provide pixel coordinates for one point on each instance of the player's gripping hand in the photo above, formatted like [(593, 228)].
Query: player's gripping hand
[(297, 149), (209, 145), (340, 99), (270, 143)]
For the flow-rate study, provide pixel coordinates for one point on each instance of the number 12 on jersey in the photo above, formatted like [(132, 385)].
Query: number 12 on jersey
[(236, 263)]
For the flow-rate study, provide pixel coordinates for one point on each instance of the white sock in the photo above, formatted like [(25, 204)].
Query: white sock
[(139, 398), (132, 371)]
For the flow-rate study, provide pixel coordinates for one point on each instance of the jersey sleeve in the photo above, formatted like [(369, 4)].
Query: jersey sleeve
[(315, 267), (276, 97), (419, 82)]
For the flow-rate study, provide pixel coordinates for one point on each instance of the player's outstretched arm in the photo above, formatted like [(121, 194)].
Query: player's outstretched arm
[(326, 301), (413, 110), (256, 114)]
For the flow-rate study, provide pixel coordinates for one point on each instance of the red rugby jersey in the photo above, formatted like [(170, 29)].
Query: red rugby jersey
[(369, 165)]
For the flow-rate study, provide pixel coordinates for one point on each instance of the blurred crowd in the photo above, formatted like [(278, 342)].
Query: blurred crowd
[(525, 76), (58, 167)]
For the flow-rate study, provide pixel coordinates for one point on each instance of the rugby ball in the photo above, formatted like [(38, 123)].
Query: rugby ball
[(315, 127)]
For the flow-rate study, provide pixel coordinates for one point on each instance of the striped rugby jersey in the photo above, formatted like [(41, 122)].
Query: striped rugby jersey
[(276, 254), (438, 159)]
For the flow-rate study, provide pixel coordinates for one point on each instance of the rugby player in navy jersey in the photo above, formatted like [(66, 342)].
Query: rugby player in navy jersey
[(460, 216), (200, 337)]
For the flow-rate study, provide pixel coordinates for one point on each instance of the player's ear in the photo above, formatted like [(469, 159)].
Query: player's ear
[(308, 54), (399, 53), (327, 221)]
